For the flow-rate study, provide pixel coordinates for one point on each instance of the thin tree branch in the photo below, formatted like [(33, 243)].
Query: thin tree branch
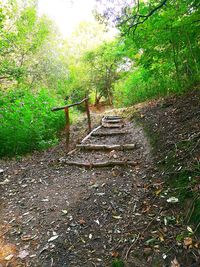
[(138, 19)]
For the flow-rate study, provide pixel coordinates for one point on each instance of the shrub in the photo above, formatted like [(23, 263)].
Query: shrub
[(27, 122)]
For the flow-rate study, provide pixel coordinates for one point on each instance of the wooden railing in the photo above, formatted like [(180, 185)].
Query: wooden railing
[(66, 109)]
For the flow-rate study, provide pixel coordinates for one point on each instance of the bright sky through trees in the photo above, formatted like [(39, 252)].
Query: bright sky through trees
[(67, 14)]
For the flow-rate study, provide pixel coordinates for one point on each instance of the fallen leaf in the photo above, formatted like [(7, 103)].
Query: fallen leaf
[(100, 194), (157, 192), (81, 222), (161, 237), (97, 221), (27, 237), (83, 240), (172, 200), (146, 209), (190, 229), (117, 217), (175, 263), (9, 257), (64, 212), (164, 256), (114, 173), (53, 238), (187, 241), (23, 254), (45, 200), (6, 181), (94, 186), (90, 236), (151, 241), (115, 254)]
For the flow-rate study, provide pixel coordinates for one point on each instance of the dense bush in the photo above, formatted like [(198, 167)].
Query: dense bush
[(139, 86), (27, 122)]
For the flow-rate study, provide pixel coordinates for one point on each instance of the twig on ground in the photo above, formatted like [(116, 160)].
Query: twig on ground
[(129, 249)]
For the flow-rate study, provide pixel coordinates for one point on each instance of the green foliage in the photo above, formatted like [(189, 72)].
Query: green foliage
[(164, 50), (27, 122), (117, 263), (22, 35), (31, 58), (31, 49), (103, 66), (95, 73), (185, 184)]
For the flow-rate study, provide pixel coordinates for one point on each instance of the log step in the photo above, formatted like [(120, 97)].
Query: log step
[(101, 164), (106, 147), (111, 121), (112, 117), (109, 125), (110, 133)]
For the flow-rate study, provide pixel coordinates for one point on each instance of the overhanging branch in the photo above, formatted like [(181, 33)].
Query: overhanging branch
[(137, 19)]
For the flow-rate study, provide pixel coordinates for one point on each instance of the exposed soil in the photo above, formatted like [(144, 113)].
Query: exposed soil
[(58, 215)]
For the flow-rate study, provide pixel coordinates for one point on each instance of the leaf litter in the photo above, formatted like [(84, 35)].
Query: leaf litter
[(94, 215)]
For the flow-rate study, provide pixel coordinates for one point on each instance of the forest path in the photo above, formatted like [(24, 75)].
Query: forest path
[(54, 214), (88, 213)]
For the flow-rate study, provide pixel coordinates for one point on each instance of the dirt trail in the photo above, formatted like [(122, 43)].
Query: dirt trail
[(84, 209), (57, 215)]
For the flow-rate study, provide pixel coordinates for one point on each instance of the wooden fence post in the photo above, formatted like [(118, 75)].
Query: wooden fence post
[(67, 128), (88, 114), (66, 109)]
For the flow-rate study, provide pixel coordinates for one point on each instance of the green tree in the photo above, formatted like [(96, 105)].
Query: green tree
[(22, 35), (167, 44), (103, 65)]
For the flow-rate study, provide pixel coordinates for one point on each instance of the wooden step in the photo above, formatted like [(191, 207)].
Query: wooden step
[(109, 125), (100, 164), (110, 133), (106, 147), (112, 117), (111, 121)]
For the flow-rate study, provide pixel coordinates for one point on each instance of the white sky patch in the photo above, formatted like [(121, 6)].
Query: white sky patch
[(67, 14)]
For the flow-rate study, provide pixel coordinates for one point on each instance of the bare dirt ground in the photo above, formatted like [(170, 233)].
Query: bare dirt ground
[(56, 215)]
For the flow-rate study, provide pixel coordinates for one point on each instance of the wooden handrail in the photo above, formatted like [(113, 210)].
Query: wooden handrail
[(69, 106), (66, 109)]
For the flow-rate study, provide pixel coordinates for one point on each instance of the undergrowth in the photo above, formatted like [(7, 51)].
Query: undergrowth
[(139, 86), (27, 122)]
